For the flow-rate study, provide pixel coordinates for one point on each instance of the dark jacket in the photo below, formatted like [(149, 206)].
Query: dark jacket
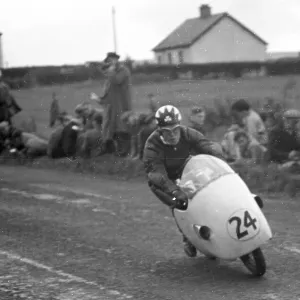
[(164, 163), (8, 105), (13, 138), (281, 143), (197, 127)]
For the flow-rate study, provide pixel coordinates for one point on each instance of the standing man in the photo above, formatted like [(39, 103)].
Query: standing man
[(116, 99), (8, 104)]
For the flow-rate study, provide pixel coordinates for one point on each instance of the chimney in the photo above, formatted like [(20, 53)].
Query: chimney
[(1, 53), (205, 11)]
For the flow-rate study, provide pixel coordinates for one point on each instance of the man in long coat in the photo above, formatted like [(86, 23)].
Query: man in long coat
[(116, 99)]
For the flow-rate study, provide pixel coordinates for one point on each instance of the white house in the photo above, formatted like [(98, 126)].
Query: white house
[(210, 38)]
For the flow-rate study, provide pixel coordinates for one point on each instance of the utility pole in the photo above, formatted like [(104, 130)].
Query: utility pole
[(114, 28)]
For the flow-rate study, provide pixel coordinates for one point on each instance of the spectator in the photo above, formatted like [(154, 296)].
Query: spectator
[(152, 103), (148, 126), (27, 143), (35, 146), (251, 120), (132, 124), (197, 119), (54, 111), (64, 140), (64, 118), (11, 138), (69, 138), (86, 112), (92, 140), (230, 147), (116, 99), (250, 150), (284, 142), (24, 122), (269, 120), (8, 104), (54, 149)]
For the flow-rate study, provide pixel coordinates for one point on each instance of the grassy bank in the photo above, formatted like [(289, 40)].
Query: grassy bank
[(260, 179)]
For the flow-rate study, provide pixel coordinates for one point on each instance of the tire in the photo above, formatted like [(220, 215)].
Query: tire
[(210, 257), (255, 262)]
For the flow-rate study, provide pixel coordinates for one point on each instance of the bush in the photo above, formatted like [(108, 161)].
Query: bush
[(49, 75), (18, 83)]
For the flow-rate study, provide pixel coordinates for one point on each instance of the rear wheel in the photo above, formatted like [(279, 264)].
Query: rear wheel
[(255, 262)]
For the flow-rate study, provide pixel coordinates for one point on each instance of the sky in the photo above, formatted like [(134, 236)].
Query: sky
[(55, 32)]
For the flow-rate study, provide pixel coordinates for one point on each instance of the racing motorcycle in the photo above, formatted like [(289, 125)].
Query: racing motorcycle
[(222, 218)]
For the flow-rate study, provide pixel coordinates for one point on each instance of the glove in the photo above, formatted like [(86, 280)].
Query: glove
[(181, 199)]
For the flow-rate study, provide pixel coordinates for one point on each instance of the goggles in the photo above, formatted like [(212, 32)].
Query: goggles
[(169, 130)]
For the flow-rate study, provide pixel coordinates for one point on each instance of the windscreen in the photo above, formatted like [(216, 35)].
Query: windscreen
[(200, 171)]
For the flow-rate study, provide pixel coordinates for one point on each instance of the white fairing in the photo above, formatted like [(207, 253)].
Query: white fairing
[(220, 200)]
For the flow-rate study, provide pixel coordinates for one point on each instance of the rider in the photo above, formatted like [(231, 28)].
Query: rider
[(165, 155)]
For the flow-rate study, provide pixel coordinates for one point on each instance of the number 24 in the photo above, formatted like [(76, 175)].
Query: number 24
[(248, 221)]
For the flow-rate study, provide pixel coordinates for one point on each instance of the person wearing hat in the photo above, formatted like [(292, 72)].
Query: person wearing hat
[(197, 118), (8, 105), (284, 142), (112, 58), (115, 99)]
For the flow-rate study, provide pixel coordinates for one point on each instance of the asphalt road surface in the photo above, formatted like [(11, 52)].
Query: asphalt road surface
[(66, 237)]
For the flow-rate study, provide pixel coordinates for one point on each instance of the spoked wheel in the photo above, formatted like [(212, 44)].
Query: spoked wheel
[(255, 262)]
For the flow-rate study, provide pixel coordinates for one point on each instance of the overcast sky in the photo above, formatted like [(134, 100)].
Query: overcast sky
[(43, 32)]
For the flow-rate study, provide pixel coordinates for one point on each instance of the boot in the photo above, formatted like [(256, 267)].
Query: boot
[(189, 249)]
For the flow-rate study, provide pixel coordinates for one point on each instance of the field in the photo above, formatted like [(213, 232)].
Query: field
[(213, 94)]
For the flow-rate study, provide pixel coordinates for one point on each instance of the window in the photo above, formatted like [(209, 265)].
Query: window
[(170, 58), (180, 57)]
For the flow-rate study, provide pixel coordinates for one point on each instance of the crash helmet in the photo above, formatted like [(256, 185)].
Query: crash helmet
[(168, 116)]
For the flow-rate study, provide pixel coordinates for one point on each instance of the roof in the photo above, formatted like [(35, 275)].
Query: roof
[(193, 29)]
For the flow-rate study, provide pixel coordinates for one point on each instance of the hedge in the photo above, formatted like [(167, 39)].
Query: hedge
[(48, 75)]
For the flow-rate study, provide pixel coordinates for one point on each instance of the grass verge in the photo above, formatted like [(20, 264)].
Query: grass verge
[(260, 178)]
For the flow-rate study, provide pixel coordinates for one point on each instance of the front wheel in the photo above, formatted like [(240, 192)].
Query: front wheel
[(255, 262)]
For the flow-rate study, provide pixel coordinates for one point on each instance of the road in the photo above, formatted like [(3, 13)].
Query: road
[(67, 236)]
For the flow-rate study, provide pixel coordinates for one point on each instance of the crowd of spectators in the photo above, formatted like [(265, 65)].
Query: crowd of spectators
[(111, 126)]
